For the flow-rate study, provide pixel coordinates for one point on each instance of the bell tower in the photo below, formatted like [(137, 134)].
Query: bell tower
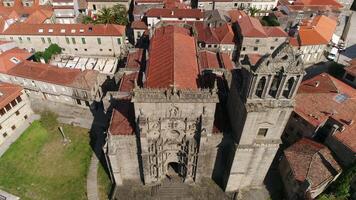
[(260, 102)]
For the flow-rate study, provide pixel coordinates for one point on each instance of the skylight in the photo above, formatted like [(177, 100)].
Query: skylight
[(63, 30), (340, 98), (15, 60), (50, 30), (73, 30), (40, 30)]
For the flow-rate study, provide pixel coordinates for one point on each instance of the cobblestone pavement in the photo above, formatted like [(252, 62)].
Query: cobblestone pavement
[(18, 132)]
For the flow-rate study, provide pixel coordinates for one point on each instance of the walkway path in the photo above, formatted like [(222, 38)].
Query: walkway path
[(18, 132), (8, 196), (92, 179)]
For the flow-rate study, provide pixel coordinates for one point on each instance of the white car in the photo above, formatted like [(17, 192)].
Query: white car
[(333, 53)]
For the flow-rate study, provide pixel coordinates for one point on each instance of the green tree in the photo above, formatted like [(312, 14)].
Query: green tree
[(115, 15), (253, 11), (105, 16), (85, 19)]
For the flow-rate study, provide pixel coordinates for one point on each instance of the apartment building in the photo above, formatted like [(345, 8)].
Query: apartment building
[(14, 109), (78, 39), (63, 85), (156, 15), (263, 5), (313, 38), (64, 11), (253, 38)]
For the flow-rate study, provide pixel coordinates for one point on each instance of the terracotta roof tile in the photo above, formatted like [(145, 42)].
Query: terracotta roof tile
[(65, 29), (127, 82), (251, 27), (52, 74), (226, 61), (311, 161), (122, 119), (275, 31), (175, 13), (9, 92), (138, 25), (236, 15), (324, 97), (319, 31), (208, 60), (220, 35), (12, 57), (134, 59), (172, 59)]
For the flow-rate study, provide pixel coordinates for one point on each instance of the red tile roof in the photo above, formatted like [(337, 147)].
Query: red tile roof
[(311, 161), (251, 27), (318, 31), (9, 58), (65, 29), (134, 59), (175, 13), (275, 31), (236, 15), (51, 74), (220, 35), (172, 59), (253, 58), (208, 60), (318, 3), (138, 25), (123, 119), (324, 97), (351, 69), (9, 92), (226, 61), (127, 82)]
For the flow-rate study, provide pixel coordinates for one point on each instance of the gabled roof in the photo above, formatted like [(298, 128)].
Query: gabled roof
[(9, 92), (275, 31), (208, 60), (324, 97), (51, 74), (318, 3), (65, 29), (138, 25), (251, 27), (311, 161), (127, 82), (175, 13), (172, 59), (319, 31), (220, 35), (236, 15), (134, 59), (12, 57), (122, 118)]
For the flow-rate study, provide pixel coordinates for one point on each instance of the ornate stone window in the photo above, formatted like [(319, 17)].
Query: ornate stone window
[(288, 87)]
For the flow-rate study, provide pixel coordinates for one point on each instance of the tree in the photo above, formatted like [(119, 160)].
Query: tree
[(114, 15), (105, 16), (253, 11), (85, 19)]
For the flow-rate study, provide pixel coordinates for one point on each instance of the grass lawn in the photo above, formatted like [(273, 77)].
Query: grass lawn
[(38, 166), (104, 183)]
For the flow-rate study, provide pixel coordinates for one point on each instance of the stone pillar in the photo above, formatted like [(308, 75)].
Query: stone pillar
[(281, 86), (253, 86), (267, 86)]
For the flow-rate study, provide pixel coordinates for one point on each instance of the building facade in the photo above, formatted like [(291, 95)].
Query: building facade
[(78, 39), (260, 102), (15, 109)]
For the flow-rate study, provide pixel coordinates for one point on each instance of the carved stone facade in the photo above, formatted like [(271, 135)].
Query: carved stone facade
[(170, 125)]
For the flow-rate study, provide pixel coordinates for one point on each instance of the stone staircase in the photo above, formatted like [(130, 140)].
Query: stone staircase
[(172, 189)]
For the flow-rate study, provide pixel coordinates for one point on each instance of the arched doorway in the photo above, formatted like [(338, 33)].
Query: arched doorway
[(173, 169)]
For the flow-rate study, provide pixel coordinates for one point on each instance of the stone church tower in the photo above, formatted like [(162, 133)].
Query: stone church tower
[(260, 102)]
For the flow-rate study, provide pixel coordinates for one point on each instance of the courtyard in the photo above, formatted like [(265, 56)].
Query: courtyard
[(40, 166)]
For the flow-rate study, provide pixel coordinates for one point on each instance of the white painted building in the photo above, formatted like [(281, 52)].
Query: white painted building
[(14, 109), (78, 39), (156, 15)]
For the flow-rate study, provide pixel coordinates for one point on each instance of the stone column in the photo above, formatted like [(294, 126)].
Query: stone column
[(253, 86), (281, 86), (267, 86)]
